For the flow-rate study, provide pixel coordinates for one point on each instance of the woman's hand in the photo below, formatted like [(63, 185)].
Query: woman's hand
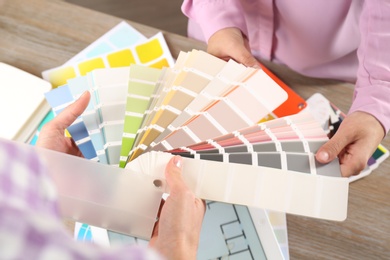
[(354, 143), (230, 43), (52, 135), (176, 234)]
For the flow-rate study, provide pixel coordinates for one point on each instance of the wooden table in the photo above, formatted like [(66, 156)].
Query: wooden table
[(36, 35)]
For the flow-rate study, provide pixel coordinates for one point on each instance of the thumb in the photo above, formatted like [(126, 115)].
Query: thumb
[(73, 111), (245, 57), (173, 174), (331, 149)]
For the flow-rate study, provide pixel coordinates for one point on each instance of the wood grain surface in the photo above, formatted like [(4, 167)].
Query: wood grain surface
[(36, 35)]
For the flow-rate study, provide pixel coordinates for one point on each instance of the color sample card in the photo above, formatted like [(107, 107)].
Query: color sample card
[(119, 37), (110, 93), (89, 117), (152, 52), (142, 84), (289, 191)]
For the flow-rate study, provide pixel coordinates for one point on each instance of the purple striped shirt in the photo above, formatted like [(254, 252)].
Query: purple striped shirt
[(30, 224)]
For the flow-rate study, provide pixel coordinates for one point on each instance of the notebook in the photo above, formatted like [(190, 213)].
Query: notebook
[(22, 103)]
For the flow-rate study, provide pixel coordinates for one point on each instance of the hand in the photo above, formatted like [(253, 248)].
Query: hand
[(176, 234), (354, 142), (52, 135), (230, 43)]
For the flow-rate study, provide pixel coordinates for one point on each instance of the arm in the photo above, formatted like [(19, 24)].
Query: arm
[(368, 120), (372, 89), (177, 232), (224, 27), (30, 223), (213, 16)]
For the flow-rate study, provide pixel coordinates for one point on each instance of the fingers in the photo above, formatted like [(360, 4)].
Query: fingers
[(330, 150), (352, 165), (231, 43), (173, 174), (177, 234), (177, 186), (52, 135), (72, 112), (353, 143), (346, 135), (244, 56), (156, 226), (343, 145)]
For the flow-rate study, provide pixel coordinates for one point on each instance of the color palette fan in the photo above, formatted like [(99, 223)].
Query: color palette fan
[(246, 231), (231, 120)]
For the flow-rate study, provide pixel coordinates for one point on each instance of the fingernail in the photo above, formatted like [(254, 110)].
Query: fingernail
[(83, 94), (177, 160), (324, 156)]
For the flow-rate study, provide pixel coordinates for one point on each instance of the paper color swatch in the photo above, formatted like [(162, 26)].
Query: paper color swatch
[(152, 52), (142, 85), (121, 36)]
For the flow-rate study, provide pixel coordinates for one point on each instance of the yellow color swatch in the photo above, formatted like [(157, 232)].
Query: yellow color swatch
[(90, 65), (267, 118), (149, 51), (121, 58), (60, 76), (160, 64)]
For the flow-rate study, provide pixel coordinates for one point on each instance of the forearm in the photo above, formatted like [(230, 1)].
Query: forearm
[(372, 89), (213, 16)]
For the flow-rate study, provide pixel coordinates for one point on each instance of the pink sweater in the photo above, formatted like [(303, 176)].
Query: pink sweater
[(347, 40)]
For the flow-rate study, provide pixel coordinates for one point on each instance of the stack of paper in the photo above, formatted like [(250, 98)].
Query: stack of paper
[(22, 103)]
